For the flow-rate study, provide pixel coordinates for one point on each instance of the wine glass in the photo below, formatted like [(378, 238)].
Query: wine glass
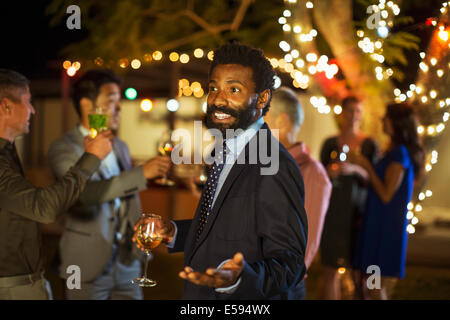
[(148, 236), (98, 121), (165, 147)]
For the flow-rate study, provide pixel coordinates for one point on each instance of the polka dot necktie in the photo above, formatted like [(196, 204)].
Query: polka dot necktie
[(210, 190)]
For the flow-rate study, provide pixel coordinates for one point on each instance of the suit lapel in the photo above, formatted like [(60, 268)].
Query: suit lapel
[(121, 158)]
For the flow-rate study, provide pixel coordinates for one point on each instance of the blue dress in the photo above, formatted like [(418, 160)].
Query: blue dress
[(383, 237)]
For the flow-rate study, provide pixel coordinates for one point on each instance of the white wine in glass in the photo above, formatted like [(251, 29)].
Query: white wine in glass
[(148, 237), (165, 148)]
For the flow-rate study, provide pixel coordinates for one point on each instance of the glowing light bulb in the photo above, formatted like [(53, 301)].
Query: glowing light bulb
[(157, 55), (67, 64), (174, 56), (311, 57), (443, 35), (184, 58), (146, 105), (130, 93), (433, 94), (172, 105), (71, 71), (383, 31), (284, 46), (76, 65), (337, 109), (198, 53), (135, 64), (123, 63), (300, 63)]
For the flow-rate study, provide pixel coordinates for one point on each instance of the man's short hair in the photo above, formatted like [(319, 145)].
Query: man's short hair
[(11, 83), (349, 101), (88, 86), (236, 53), (285, 100)]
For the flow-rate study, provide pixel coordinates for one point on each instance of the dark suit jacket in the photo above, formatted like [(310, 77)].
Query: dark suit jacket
[(261, 216)]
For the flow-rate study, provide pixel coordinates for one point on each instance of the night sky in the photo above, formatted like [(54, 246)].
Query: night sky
[(28, 43)]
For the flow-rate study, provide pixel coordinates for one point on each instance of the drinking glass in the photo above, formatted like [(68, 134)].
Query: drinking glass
[(148, 236), (165, 147), (98, 121)]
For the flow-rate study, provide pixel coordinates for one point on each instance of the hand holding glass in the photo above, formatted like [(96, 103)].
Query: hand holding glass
[(148, 236), (165, 148)]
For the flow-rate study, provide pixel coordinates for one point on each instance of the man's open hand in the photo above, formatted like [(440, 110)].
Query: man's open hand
[(217, 278)]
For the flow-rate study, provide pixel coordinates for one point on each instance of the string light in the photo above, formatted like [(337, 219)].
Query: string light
[(174, 56), (67, 64), (431, 130), (71, 71), (136, 64), (172, 105), (198, 53), (146, 105)]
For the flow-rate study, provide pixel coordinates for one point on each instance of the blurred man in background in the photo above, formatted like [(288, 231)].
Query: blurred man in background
[(98, 230), (286, 115)]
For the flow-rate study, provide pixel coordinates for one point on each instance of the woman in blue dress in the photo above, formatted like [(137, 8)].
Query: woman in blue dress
[(383, 237)]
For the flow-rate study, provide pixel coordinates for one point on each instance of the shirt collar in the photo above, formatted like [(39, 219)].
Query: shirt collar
[(83, 130), (236, 144), (5, 144)]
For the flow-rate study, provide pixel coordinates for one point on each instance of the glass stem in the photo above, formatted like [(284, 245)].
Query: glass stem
[(147, 254)]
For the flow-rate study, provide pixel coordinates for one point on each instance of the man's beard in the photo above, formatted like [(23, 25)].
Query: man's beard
[(243, 118)]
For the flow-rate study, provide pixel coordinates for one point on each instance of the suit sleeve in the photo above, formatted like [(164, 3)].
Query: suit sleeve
[(182, 231), (282, 227), (43, 205), (62, 156)]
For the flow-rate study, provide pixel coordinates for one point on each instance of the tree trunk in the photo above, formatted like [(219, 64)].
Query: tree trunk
[(332, 19)]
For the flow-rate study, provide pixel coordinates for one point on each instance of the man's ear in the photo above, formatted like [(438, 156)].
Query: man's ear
[(5, 106), (263, 99)]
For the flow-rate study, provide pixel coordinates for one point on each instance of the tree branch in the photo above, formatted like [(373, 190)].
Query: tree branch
[(240, 14), (208, 28), (193, 37)]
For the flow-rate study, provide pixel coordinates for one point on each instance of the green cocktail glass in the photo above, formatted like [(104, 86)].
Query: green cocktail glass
[(97, 122)]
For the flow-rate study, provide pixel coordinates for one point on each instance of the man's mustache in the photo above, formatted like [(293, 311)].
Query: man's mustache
[(213, 108)]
